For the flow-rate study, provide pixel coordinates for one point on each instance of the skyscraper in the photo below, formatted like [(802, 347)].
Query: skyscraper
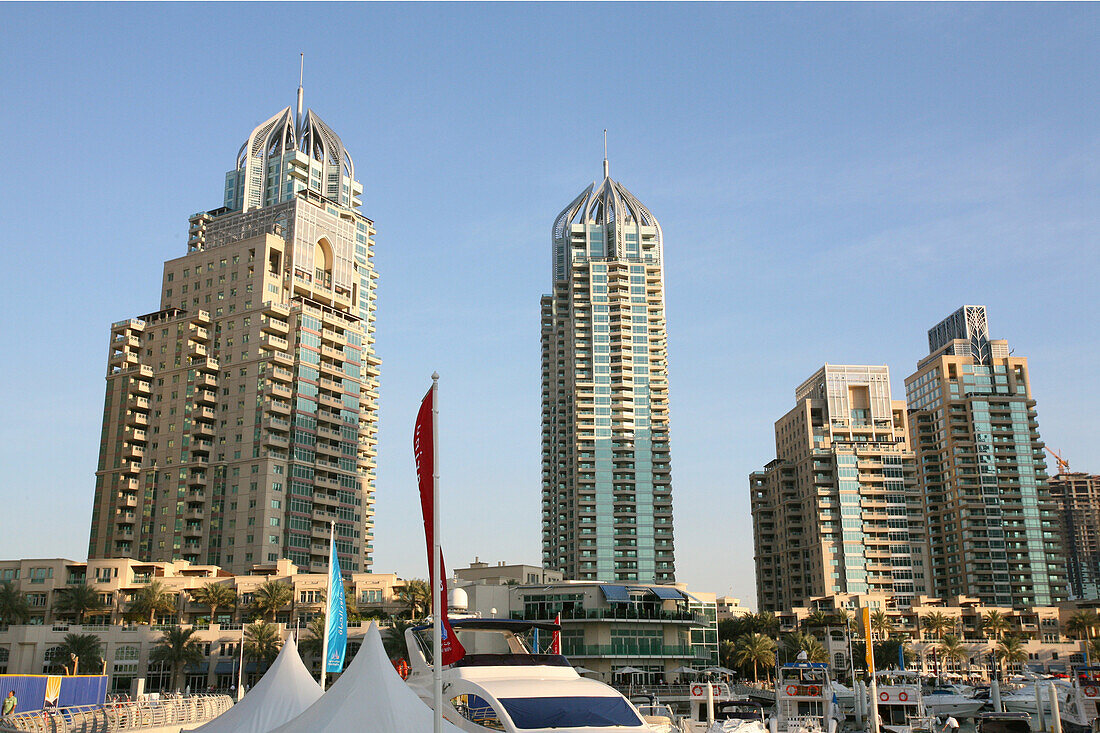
[(993, 527), (606, 477), (240, 417), (1077, 496), (839, 510)]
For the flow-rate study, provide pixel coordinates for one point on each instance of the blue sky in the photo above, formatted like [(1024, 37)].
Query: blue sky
[(832, 180)]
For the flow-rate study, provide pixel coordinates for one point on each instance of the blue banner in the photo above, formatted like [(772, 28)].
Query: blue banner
[(336, 615)]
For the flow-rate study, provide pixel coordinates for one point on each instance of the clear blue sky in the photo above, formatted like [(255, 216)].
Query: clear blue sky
[(832, 180)]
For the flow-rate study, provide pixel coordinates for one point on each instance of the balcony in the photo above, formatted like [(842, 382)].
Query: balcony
[(203, 429), (206, 380), (279, 374), (196, 350), (206, 397), (207, 365), (272, 342), (274, 326)]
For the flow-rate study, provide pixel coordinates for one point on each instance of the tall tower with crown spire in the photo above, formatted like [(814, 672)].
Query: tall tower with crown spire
[(241, 416), (606, 476)]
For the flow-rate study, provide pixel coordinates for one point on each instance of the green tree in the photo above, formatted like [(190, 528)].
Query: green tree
[(77, 600), (88, 652), (178, 647), (14, 608), (951, 648), (417, 594), (313, 644), (152, 599), (725, 652), (796, 642), (262, 643), (1080, 624), (214, 596), (881, 624), (270, 597), (766, 623), (817, 619), (938, 623), (995, 624), (756, 649), (1011, 651), (393, 639)]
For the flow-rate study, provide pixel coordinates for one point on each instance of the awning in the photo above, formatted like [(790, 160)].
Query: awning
[(668, 594), (615, 593)]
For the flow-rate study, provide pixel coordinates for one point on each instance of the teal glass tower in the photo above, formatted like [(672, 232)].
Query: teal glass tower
[(606, 474)]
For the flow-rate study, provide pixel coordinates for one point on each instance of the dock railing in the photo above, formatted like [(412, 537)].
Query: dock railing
[(123, 716)]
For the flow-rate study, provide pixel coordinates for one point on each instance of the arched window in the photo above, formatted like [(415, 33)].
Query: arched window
[(322, 262)]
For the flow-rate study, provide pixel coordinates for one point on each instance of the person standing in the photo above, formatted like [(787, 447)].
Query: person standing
[(9, 703)]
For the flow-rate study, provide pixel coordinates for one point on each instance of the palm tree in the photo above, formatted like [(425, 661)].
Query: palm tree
[(1011, 651), (262, 643), (757, 649), (152, 599), (881, 624), (797, 642), (725, 652), (418, 595), (393, 639), (313, 644), (1080, 626), (995, 623), (87, 650), (14, 608), (817, 618), (77, 600), (178, 647), (214, 596), (272, 596), (951, 648), (767, 623), (1092, 649), (938, 623)]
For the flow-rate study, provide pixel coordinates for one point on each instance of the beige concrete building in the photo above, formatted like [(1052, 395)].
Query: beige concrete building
[(993, 528), (1077, 498), (606, 470), (839, 509), (505, 574), (240, 419), (1040, 628), (728, 607), (28, 648)]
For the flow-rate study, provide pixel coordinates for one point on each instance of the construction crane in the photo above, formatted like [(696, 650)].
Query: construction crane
[(1063, 464)]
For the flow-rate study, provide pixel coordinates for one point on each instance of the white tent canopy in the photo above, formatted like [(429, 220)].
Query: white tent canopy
[(369, 697), (286, 689)]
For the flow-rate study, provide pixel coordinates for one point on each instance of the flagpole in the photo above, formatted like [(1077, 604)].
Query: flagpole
[(437, 588), (328, 603), (240, 669)]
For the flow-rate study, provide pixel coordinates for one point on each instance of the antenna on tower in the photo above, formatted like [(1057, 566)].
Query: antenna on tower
[(606, 165), (301, 77)]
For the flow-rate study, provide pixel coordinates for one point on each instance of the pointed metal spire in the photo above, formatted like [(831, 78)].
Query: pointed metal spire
[(301, 76), (606, 165)]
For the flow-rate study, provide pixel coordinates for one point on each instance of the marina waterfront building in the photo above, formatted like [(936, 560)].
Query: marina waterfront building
[(993, 526), (606, 475), (32, 647), (240, 419), (839, 509), (1077, 498)]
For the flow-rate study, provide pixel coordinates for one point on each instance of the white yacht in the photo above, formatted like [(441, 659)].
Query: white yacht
[(1022, 700), (500, 685), (951, 701), (900, 703), (804, 700), (1079, 712)]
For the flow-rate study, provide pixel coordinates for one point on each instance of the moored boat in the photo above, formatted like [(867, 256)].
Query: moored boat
[(804, 700)]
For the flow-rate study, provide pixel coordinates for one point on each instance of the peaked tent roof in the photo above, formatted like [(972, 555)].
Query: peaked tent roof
[(285, 690), (369, 697)]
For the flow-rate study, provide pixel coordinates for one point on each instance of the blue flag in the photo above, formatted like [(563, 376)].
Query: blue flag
[(336, 616)]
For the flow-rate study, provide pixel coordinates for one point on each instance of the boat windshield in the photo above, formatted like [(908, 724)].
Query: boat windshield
[(569, 712), (1004, 726)]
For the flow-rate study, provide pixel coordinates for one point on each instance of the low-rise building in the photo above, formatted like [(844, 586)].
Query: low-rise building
[(730, 608), (607, 627), (29, 648)]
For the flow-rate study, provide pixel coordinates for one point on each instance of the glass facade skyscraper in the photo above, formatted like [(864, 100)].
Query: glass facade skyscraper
[(607, 486), (993, 527), (241, 417)]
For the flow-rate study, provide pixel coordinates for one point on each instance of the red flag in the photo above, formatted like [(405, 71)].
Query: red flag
[(424, 453), (555, 644)]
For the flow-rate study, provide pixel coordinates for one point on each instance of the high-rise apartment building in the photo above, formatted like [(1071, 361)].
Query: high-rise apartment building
[(606, 476), (839, 509), (993, 528), (1077, 497), (240, 418)]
